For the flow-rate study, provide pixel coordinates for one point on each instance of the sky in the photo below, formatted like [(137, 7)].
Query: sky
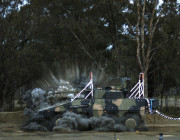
[(24, 3)]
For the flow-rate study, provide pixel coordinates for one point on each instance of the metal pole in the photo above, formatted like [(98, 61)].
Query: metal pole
[(139, 86), (92, 84)]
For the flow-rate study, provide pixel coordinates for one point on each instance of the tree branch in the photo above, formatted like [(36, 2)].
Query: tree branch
[(137, 36), (84, 49), (152, 31), (142, 33)]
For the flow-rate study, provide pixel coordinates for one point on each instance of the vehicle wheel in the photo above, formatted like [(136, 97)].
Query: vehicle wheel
[(132, 122), (55, 119)]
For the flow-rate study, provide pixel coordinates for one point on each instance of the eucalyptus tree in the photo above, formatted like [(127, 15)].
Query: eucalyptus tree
[(16, 29), (143, 26)]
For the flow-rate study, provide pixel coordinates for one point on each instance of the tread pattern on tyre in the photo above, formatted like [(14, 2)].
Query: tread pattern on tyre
[(135, 118)]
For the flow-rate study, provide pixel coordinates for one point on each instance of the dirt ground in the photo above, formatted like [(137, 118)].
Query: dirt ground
[(10, 123)]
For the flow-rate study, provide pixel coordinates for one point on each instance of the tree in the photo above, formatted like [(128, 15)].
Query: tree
[(148, 17), (16, 35), (165, 65)]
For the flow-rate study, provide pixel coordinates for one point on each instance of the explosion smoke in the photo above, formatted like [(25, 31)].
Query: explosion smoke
[(72, 121), (35, 99)]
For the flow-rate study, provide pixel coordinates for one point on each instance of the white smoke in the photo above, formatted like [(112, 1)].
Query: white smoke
[(64, 86)]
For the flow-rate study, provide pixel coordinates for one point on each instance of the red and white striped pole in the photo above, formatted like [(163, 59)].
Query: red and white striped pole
[(141, 84)]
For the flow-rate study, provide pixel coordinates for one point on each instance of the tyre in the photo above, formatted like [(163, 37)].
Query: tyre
[(55, 119), (132, 122)]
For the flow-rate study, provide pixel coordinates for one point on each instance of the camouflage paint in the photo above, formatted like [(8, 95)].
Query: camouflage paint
[(103, 103)]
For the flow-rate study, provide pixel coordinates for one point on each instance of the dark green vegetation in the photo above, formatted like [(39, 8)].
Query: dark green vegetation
[(171, 111), (60, 34)]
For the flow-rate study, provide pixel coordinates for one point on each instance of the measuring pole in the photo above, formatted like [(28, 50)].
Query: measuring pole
[(92, 84), (141, 84)]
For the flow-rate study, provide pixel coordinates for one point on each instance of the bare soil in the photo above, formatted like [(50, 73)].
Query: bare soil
[(10, 123)]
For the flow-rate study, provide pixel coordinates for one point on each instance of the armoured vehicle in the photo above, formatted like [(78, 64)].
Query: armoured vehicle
[(110, 101)]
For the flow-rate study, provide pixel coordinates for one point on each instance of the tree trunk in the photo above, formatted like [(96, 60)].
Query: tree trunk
[(161, 100), (162, 94), (119, 70), (2, 103), (145, 84)]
